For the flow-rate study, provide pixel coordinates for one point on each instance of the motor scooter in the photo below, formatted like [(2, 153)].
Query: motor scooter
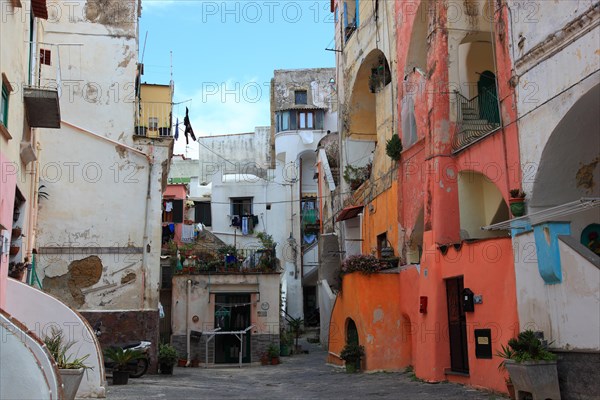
[(136, 368)]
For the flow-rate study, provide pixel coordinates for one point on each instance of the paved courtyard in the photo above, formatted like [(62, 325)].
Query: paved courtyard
[(303, 376)]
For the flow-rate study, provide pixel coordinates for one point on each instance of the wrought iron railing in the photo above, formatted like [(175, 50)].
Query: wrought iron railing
[(153, 119), (476, 117)]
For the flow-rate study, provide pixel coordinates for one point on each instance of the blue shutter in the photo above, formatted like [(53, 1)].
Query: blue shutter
[(345, 14), (356, 13)]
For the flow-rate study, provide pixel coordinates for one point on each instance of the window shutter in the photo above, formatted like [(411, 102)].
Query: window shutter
[(293, 121), (345, 14), (39, 8), (319, 119), (202, 213), (178, 211), (357, 7)]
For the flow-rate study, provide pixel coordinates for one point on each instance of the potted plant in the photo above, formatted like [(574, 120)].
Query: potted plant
[(517, 202), (14, 250), (264, 358), (17, 270), (507, 353), (70, 368), (355, 176), (352, 353), (364, 263), (16, 232), (296, 327), (531, 366), (393, 147), (273, 352), (167, 358), (285, 341), (121, 359)]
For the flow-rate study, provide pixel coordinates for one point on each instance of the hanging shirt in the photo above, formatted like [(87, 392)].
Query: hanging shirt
[(169, 206)]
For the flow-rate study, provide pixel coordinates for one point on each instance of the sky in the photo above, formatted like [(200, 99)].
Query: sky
[(224, 55)]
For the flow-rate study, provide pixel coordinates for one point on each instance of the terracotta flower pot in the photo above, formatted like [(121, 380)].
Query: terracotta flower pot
[(14, 250)]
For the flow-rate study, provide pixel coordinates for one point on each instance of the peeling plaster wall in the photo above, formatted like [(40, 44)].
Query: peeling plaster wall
[(567, 313), (104, 205), (566, 54)]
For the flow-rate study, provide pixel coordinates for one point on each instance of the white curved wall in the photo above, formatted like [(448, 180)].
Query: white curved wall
[(39, 312), (26, 369)]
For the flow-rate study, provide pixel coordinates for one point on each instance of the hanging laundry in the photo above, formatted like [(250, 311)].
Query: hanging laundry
[(169, 206), (245, 226), (177, 129), (188, 127)]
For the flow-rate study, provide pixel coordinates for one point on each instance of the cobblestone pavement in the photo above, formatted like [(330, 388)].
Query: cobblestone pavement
[(303, 376)]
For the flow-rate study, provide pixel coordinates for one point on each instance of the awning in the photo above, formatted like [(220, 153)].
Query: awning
[(349, 212), (39, 8)]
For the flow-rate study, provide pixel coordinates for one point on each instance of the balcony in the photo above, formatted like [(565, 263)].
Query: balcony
[(153, 119), (41, 96), (476, 118)]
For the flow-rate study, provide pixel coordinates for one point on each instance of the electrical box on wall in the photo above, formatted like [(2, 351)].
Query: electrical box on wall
[(468, 300)]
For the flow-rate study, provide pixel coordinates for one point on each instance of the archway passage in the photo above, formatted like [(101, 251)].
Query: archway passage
[(569, 167), (373, 75), (351, 332)]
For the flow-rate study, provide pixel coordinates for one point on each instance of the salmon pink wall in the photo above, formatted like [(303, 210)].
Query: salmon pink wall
[(487, 268), (176, 192), (8, 184)]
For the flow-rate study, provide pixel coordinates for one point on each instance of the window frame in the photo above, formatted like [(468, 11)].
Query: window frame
[(237, 204), (306, 119), (153, 123), (301, 92)]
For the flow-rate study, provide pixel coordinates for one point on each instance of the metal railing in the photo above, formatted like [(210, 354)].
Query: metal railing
[(153, 119), (476, 117)]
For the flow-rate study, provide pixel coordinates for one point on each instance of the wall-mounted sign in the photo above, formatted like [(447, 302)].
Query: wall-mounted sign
[(262, 313)]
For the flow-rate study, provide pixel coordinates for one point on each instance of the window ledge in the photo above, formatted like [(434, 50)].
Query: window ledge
[(4, 132)]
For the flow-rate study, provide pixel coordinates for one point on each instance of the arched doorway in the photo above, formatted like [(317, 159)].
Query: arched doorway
[(351, 332), (488, 97)]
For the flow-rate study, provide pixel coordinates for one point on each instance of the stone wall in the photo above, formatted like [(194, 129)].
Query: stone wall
[(123, 327), (578, 375), (258, 345)]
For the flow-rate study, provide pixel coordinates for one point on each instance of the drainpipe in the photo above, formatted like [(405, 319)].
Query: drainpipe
[(187, 321), (33, 201)]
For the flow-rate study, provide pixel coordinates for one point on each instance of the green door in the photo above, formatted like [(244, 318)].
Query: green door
[(232, 313), (488, 98)]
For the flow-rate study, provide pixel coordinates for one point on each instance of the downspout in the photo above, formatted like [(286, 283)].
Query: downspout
[(33, 204), (187, 322)]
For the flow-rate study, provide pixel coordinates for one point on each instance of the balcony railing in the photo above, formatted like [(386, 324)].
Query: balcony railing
[(153, 119), (476, 118), (42, 92)]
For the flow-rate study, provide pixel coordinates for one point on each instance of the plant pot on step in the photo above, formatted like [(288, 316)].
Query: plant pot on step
[(166, 369), (71, 378), (274, 360), (120, 377), (511, 390), (540, 378), (182, 362)]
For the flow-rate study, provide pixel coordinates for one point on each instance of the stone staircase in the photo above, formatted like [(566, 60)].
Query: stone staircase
[(471, 126)]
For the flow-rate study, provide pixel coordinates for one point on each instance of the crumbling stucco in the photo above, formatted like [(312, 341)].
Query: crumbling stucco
[(82, 274), (585, 176)]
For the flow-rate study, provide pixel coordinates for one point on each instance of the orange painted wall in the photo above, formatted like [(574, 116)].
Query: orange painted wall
[(405, 337), (383, 218), (375, 304)]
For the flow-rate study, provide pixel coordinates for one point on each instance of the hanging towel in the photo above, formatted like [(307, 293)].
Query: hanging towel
[(245, 226), (307, 137)]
